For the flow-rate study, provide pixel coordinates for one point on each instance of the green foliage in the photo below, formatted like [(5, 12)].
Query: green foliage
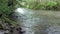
[(34, 4), (52, 3), (4, 8)]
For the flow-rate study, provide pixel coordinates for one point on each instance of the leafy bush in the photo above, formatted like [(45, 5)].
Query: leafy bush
[(31, 4), (4, 8), (52, 5)]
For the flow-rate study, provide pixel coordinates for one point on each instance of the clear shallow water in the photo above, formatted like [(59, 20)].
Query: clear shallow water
[(38, 21)]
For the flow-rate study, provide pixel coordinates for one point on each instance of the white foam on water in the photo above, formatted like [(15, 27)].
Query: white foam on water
[(20, 10)]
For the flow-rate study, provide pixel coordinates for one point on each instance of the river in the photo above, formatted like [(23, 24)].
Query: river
[(38, 21)]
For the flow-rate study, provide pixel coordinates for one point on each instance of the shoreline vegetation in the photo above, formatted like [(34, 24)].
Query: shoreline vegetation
[(35, 5)]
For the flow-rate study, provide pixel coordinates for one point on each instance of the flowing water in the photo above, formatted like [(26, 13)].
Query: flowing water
[(38, 21)]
